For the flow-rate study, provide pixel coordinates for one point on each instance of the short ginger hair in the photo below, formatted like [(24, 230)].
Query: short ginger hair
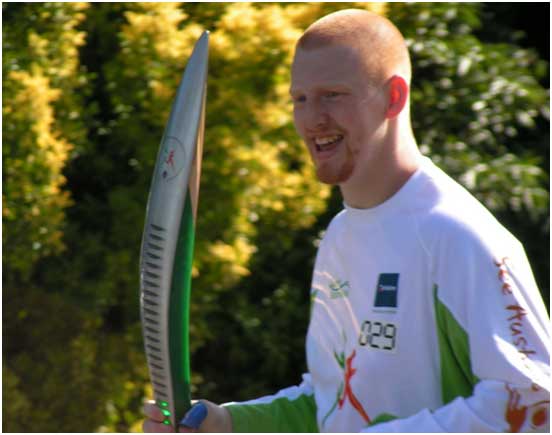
[(380, 44)]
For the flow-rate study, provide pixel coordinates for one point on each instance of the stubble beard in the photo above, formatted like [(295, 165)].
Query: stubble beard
[(334, 173)]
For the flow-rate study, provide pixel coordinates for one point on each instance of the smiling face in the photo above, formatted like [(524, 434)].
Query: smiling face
[(337, 112)]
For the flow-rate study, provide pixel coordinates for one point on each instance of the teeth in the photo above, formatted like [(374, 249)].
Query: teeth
[(323, 143), (326, 140)]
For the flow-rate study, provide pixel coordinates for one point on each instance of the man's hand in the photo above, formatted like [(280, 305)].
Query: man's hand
[(204, 416)]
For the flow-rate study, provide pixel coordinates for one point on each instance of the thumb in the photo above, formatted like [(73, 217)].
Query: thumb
[(195, 416)]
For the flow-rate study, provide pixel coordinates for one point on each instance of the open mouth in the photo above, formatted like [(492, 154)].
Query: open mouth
[(327, 143)]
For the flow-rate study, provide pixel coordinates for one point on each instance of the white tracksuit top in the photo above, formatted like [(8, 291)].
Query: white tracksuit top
[(425, 317)]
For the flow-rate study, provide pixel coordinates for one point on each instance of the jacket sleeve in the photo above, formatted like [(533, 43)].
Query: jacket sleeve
[(292, 409), (493, 342)]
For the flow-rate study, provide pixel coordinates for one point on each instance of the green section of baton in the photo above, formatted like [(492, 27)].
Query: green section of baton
[(179, 313)]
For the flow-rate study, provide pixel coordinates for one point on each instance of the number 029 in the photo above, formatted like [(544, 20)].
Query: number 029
[(378, 335)]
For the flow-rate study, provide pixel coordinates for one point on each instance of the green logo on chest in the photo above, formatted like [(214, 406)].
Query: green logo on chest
[(339, 289)]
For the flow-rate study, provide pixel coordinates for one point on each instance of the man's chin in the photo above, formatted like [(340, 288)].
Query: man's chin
[(334, 176)]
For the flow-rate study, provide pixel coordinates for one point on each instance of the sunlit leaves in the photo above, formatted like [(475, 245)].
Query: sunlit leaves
[(39, 67)]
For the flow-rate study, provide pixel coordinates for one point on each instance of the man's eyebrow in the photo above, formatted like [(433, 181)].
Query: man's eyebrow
[(322, 86)]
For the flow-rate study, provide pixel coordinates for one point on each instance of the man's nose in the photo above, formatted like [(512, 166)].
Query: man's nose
[(317, 115)]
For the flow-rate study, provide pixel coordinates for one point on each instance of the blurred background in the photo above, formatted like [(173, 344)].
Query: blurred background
[(86, 92)]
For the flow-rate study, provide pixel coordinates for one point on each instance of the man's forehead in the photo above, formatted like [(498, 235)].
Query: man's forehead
[(341, 48), (332, 63)]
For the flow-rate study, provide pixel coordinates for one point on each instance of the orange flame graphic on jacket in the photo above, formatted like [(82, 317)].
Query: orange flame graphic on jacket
[(345, 391), (348, 391), (516, 415)]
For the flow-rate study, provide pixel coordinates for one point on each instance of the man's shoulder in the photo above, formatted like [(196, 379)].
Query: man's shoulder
[(458, 218), (336, 226)]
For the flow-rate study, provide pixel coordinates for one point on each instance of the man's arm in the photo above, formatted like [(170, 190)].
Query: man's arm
[(493, 344), (290, 410)]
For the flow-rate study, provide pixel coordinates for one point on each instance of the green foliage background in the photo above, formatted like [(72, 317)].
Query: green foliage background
[(87, 89)]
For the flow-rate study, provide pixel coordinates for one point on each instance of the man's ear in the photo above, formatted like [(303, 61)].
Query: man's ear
[(398, 96)]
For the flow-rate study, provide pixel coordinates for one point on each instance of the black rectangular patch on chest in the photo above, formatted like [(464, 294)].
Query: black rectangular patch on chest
[(387, 290)]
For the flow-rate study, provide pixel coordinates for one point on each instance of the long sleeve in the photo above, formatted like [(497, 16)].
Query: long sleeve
[(493, 341), (292, 409)]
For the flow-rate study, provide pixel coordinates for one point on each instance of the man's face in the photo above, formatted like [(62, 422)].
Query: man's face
[(336, 111)]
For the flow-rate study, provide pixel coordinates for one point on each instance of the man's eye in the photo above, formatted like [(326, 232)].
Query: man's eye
[(331, 95), (299, 99)]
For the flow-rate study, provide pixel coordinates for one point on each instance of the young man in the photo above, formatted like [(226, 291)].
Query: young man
[(426, 316)]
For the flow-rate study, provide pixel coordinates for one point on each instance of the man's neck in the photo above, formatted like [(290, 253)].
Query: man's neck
[(372, 188)]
